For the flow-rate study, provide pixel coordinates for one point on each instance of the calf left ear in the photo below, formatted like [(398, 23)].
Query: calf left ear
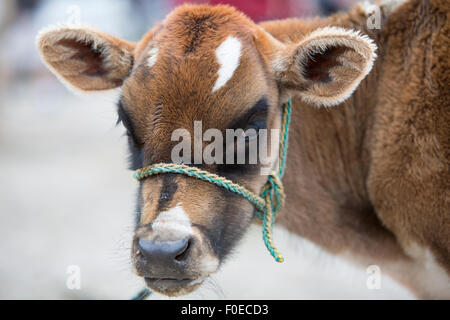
[(85, 59), (326, 66)]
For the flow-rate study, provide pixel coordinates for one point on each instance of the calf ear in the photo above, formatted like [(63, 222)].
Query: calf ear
[(84, 58), (326, 66)]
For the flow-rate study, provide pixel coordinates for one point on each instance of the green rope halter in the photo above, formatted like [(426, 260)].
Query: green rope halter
[(267, 205)]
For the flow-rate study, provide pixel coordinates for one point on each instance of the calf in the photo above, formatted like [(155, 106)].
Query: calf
[(367, 174)]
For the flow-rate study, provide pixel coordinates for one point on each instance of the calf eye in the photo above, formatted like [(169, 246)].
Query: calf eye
[(129, 132), (126, 121), (133, 139), (251, 131)]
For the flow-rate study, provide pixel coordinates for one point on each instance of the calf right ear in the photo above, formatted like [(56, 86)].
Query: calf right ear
[(84, 58), (326, 66)]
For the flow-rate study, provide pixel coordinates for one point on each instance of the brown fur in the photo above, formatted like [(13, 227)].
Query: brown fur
[(373, 173), (367, 179)]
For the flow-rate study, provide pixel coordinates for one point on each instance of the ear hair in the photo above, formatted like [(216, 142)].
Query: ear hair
[(326, 66), (69, 52)]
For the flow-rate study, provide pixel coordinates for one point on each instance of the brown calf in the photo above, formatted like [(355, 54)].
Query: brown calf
[(367, 179)]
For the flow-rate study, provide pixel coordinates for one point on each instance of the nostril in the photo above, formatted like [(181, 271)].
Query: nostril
[(184, 253), (138, 253)]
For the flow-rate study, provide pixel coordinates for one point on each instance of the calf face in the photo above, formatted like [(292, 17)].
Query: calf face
[(208, 64)]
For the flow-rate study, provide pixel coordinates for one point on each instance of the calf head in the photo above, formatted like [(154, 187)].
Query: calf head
[(208, 64)]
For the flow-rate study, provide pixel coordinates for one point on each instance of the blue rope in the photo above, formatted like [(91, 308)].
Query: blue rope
[(142, 295)]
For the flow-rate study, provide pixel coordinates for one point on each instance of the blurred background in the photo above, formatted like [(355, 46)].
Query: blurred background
[(67, 199)]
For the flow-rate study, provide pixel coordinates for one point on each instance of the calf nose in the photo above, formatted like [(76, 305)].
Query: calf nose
[(163, 252)]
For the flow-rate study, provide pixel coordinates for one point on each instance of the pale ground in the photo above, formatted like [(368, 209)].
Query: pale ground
[(66, 198)]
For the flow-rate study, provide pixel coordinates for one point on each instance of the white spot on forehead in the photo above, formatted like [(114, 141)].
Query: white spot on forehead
[(173, 224), (153, 54), (228, 54)]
